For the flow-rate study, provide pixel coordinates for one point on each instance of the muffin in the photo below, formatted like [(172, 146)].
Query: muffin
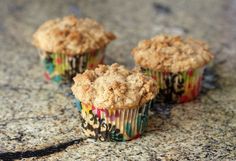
[(175, 63), (113, 102), (69, 45)]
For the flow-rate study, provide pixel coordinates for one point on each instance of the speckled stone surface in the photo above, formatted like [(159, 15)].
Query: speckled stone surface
[(38, 120)]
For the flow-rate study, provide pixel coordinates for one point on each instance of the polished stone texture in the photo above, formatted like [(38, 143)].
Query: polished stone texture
[(38, 120)]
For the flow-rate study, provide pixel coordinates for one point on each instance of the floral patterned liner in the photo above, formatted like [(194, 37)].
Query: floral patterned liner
[(62, 68), (177, 87), (113, 124)]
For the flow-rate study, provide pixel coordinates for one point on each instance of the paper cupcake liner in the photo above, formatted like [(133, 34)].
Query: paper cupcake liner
[(62, 68), (113, 124), (177, 87)]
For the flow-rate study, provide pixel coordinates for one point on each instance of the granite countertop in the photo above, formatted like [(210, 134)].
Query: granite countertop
[(38, 120)]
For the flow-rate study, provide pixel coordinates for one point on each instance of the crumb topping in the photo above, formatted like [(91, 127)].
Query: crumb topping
[(114, 87), (70, 35), (171, 53)]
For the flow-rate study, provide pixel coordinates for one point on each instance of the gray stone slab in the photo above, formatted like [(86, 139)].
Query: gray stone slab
[(38, 120)]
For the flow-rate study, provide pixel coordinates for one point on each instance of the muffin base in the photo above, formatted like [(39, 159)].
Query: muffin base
[(177, 87), (113, 124), (62, 68)]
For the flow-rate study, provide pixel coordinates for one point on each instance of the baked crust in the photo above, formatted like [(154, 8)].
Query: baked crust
[(71, 36), (114, 87), (166, 53)]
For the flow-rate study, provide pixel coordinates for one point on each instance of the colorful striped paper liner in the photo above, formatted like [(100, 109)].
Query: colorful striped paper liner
[(62, 68), (113, 124), (177, 87)]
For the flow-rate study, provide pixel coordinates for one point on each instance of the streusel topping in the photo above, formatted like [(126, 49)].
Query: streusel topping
[(71, 36), (114, 87), (171, 53)]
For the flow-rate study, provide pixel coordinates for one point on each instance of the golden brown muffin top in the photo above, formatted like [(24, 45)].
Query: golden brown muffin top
[(114, 87), (171, 54), (71, 36)]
